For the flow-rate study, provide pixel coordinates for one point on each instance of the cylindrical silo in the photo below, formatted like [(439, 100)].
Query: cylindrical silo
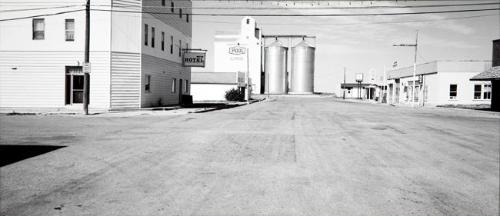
[(275, 68), (302, 77)]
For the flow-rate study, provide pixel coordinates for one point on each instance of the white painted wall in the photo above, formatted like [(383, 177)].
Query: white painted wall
[(210, 92), (32, 72)]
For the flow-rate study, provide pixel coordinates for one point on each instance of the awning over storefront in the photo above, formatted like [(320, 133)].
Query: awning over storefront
[(490, 74)]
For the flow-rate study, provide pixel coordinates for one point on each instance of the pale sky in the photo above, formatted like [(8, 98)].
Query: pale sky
[(364, 43)]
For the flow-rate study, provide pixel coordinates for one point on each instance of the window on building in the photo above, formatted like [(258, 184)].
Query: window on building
[(186, 86), (453, 91), (153, 37), (74, 85), (38, 29), (187, 17), (174, 85), (162, 41), (180, 48), (69, 27), (180, 13), (187, 45), (146, 36), (172, 6), (162, 2), (487, 91), (147, 83), (171, 44), (477, 91), (248, 21)]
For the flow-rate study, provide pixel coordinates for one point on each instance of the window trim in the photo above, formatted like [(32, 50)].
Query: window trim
[(66, 30), (484, 93), (33, 31), (476, 91)]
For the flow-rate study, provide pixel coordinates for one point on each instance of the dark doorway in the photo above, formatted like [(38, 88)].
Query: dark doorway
[(13, 153), (74, 85)]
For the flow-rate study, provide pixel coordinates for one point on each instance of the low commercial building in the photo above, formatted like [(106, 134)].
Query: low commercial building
[(366, 91), (135, 54), (439, 83), (209, 86)]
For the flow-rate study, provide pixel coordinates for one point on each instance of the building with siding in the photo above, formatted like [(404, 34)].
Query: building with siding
[(439, 83), (136, 49)]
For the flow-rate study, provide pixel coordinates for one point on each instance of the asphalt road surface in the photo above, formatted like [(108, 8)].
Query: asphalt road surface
[(287, 156)]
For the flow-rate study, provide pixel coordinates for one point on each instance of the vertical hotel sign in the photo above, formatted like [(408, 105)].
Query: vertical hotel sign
[(193, 59)]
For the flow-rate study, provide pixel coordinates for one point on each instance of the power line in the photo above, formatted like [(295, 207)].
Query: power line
[(40, 15), (44, 8), (268, 15), (306, 15), (355, 24), (316, 7)]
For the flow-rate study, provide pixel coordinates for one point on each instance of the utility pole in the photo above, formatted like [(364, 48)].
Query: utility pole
[(414, 66), (247, 89), (344, 85), (86, 75)]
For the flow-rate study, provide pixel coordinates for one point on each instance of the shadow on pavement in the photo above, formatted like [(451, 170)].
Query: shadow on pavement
[(209, 107), (13, 153)]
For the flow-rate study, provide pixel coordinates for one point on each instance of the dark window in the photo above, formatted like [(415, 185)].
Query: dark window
[(248, 21), (171, 44), (147, 85), (180, 13), (187, 17), (453, 91), (172, 6), (162, 41), (153, 37), (477, 91), (180, 48), (146, 37), (162, 2), (38, 29), (69, 27)]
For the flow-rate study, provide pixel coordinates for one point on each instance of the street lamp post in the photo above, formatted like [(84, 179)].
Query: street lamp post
[(414, 66)]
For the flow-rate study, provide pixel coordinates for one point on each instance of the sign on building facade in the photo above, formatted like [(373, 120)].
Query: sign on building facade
[(193, 59)]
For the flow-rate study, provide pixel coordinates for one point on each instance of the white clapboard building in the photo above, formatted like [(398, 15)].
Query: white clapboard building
[(135, 53)]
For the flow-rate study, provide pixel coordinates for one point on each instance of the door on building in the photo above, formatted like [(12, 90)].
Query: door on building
[(74, 85), (180, 91)]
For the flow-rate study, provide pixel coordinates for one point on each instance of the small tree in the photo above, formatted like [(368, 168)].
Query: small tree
[(235, 95)]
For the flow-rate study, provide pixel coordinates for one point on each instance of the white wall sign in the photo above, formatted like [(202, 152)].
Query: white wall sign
[(237, 50), (193, 59)]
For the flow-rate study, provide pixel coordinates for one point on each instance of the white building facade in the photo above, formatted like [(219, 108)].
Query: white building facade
[(136, 51), (439, 83)]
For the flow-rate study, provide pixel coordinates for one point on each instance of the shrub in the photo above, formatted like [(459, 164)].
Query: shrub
[(235, 95)]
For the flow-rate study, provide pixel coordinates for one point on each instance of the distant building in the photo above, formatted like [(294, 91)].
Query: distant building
[(439, 83), (493, 75), (135, 56), (209, 86), (366, 91)]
